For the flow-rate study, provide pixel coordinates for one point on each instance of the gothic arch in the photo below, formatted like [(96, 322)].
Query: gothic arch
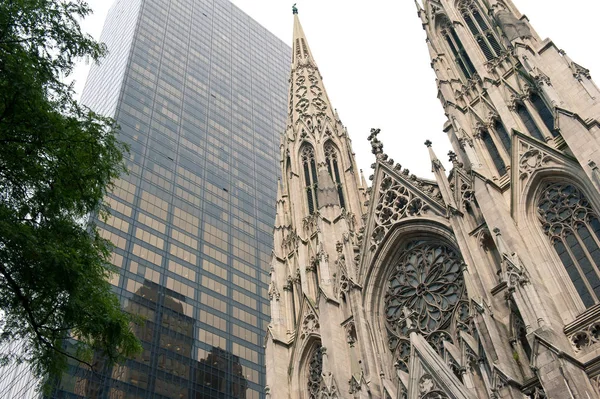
[(376, 279), (335, 165), (532, 193), (305, 356), (308, 169), (448, 37)]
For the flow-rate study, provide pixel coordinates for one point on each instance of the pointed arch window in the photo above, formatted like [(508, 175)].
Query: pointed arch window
[(307, 155), (544, 112), (573, 228), (494, 153), (333, 165), (315, 372), (485, 38), (529, 123), (458, 51), (502, 134)]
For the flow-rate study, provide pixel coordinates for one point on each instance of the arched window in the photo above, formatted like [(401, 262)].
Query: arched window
[(529, 123), (502, 134), (484, 36), (307, 155), (545, 114), (573, 228), (460, 54), (426, 291), (331, 156), (315, 372), (494, 153)]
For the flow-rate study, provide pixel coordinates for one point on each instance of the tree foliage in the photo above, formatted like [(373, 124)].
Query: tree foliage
[(57, 160)]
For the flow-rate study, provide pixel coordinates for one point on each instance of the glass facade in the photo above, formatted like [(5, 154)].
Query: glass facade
[(199, 90)]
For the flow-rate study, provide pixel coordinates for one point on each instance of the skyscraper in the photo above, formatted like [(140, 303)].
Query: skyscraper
[(199, 90), (484, 283)]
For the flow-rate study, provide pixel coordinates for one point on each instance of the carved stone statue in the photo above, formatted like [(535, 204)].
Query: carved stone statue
[(513, 28)]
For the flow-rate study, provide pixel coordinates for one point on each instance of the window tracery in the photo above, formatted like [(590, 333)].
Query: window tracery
[(494, 153), (502, 134), (544, 112), (528, 121), (315, 373), (456, 47), (481, 30), (573, 228), (426, 282), (307, 156), (331, 157)]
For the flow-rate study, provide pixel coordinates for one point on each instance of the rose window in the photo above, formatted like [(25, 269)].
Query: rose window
[(426, 282)]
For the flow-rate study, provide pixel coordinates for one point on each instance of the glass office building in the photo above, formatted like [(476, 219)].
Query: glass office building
[(199, 90)]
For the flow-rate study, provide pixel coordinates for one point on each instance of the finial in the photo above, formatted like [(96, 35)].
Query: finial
[(453, 157), (428, 144), (294, 9), (376, 145)]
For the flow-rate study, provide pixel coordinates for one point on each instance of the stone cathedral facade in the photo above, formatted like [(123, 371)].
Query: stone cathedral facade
[(484, 283)]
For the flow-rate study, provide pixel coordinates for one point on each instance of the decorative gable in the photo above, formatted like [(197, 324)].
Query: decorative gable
[(529, 157), (430, 377)]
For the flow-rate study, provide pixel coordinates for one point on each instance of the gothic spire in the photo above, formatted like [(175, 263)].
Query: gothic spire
[(301, 50)]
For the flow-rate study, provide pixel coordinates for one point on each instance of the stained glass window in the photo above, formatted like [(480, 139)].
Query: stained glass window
[(425, 291), (315, 373), (573, 228)]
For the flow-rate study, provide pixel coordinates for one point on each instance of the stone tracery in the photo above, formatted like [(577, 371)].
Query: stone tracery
[(573, 228), (315, 373), (427, 280)]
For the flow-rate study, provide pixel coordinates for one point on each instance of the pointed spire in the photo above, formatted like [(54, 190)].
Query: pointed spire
[(302, 53), (419, 7), (363, 181), (438, 169)]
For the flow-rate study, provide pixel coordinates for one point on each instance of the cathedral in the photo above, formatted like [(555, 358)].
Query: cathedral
[(482, 283)]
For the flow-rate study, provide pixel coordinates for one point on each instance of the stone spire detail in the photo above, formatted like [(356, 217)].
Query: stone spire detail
[(307, 97)]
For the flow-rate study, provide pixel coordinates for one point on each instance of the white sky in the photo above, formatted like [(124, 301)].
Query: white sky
[(375, 63)]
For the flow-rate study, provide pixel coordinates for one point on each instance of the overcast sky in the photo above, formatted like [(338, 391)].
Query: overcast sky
[(375, 63)]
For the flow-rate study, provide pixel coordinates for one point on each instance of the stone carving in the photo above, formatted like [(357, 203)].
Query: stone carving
[(315, 374), (350, 333), (395, 202), (596, 383), (310, 324), (531, 159), (425, 290), (376, 144), (585, 337), (536, 393), (513, 28), (273, 292), (428, 389)]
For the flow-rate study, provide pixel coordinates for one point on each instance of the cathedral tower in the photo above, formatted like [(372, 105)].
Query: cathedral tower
[(484, 283), (319, 209)]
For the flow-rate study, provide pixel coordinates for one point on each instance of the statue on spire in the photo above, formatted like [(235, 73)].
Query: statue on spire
[(295, 9)]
